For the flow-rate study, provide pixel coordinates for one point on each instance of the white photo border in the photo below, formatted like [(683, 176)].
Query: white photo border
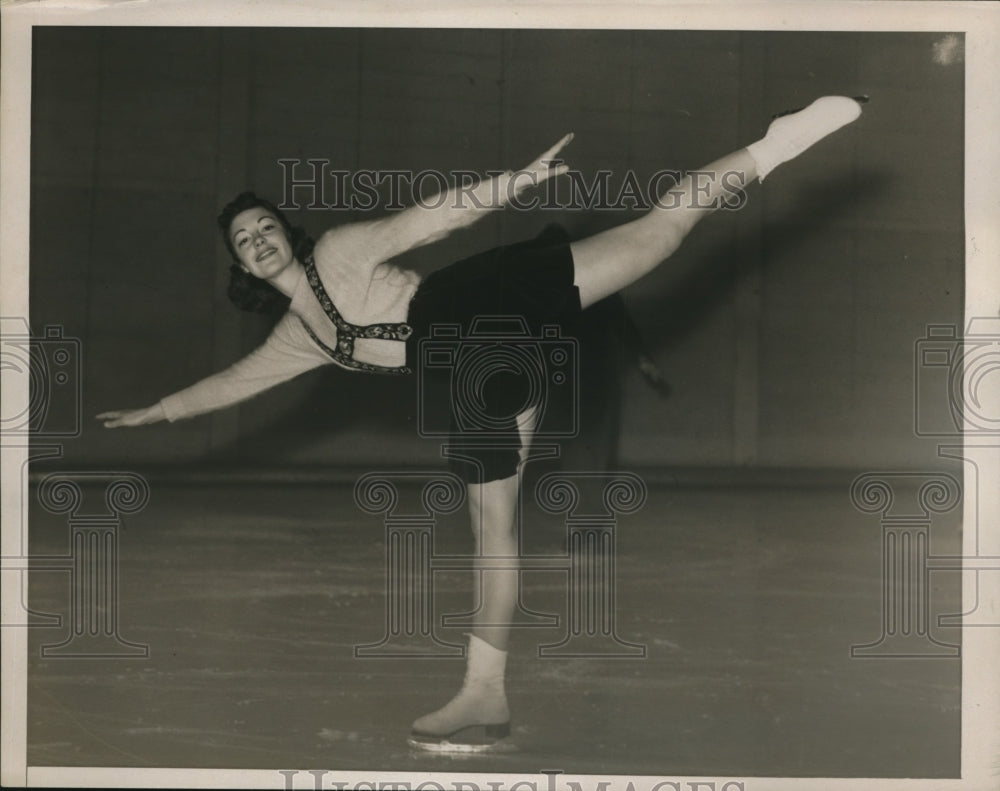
[(980, 23)]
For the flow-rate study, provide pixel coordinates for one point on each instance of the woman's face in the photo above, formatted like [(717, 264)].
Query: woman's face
[(260, 242)]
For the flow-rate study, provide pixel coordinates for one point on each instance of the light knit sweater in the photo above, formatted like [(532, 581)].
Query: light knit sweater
[(353, 262)]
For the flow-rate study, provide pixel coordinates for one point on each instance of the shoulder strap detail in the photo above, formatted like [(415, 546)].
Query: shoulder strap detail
[(347, 332)]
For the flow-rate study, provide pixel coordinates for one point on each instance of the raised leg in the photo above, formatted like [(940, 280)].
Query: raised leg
[(610, 261)]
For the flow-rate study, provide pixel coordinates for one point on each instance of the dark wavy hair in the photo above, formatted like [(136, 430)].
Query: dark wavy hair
[(246, 291)]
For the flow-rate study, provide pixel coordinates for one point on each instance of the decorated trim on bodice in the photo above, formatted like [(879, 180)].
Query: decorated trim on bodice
[(347, 332)]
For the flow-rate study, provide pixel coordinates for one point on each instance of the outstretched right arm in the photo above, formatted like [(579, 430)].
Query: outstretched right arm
[(286, 353)]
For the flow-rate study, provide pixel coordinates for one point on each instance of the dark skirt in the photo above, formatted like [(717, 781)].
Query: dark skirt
[(487, 344)]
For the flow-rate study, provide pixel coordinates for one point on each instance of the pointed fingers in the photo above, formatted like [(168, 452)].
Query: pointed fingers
[(564, 141)]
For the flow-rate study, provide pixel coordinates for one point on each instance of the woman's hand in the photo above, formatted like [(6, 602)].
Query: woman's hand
[(547, 165), (132, 417)]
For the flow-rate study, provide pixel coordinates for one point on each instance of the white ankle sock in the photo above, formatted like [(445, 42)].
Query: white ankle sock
[(485, 664), (790, 135)]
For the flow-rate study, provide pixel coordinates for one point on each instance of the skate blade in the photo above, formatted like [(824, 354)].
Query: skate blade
[(467, 741)]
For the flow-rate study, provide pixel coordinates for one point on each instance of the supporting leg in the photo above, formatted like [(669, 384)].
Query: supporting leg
[(493, 513), (479, 711)]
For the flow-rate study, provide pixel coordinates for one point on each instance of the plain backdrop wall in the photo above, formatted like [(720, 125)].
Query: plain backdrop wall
[(787, 329)]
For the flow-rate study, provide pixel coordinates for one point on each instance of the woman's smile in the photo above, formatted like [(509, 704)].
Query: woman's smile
[(261, 243)]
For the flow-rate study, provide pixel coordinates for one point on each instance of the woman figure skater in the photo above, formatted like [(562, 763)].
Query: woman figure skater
[(349, 306)]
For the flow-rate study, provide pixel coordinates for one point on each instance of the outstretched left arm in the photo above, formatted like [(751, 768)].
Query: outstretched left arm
[(460, 206)]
